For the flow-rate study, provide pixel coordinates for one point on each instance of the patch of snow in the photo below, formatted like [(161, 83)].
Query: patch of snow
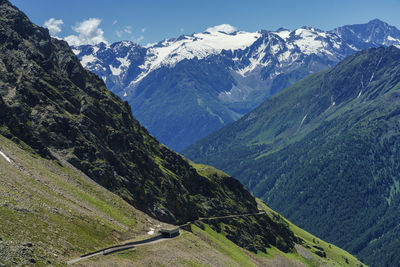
[(5, 156), (115, 71), (126, 43), (290, 46), (87, 59), (390, 38), (76, 51), (95, 49), (308, 43), (284, 34), (275, 48), (256, 59), (254, 63), (125, 94), (336, 45), (352, 47), (125, 62), (219, 41), (322, 34), (309, 46), (284, 56), (302, 32)]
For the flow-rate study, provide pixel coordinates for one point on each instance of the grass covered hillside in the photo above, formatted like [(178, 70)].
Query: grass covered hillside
[(324, 153)]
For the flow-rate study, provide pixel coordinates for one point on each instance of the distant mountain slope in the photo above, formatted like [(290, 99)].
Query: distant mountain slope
[(183, 89), (324, 153)]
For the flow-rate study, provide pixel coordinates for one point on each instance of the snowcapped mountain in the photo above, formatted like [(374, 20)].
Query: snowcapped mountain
[(181, 89), (201, 45)]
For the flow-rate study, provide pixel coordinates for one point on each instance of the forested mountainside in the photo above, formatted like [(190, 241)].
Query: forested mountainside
[(331, 143)]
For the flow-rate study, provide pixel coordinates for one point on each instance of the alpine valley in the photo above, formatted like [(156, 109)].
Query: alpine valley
[(325, 153), (78, 173), (184, 88)]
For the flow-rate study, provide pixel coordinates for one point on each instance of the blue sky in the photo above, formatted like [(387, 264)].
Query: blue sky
[(154, 20)]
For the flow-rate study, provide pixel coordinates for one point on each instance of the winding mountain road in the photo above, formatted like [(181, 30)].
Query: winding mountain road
[(154, 239)]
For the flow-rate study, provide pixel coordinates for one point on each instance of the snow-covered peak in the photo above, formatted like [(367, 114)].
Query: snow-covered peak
[(283, 33), (226, 28), (199, 45), (307, 32), (124, 64), (218, 41), (123, 45)]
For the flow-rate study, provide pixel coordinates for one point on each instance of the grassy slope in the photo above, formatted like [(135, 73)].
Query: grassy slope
[(60, 211)]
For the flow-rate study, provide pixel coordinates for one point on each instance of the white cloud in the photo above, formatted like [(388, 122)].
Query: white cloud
[(88, 33), (119, 33), (115, 22), (54, 26), (222, 28), (128, 29), (139, 39)]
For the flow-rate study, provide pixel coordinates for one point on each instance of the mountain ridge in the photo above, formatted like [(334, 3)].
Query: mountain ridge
[(239, 71)]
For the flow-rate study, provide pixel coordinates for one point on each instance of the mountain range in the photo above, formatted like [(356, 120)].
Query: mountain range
[(184, 88), (79, 173), (324, 152)]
